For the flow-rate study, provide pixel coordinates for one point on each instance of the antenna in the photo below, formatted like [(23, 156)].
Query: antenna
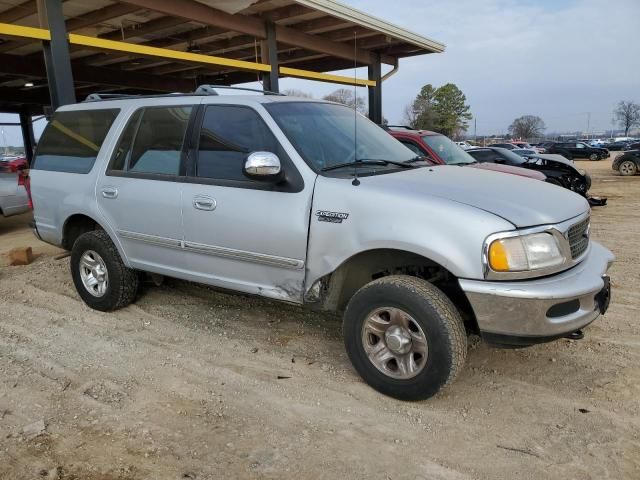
[(356, 180)]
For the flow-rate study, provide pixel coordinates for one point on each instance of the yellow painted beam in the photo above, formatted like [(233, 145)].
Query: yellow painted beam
[(143, 50), (326, 77), (24, 32), (126, 47)]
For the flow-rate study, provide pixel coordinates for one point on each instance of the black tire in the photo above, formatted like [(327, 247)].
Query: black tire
[(627, 168), (123, 282), (594, 157), (437, 317)]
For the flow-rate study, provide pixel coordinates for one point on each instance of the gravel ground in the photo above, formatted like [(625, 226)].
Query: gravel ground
[(190, 383)]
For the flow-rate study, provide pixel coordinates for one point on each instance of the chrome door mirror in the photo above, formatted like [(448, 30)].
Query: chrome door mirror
[(265, 165)]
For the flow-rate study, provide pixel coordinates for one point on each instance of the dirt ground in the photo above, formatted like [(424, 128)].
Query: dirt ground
[(189, 383)]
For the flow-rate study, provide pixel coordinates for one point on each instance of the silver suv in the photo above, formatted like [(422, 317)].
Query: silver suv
[(307, 202)]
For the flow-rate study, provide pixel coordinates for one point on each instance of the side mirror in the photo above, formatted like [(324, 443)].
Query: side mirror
[(262, 166)]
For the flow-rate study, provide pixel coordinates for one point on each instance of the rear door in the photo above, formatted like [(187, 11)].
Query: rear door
[(244, 234), (140, 195)]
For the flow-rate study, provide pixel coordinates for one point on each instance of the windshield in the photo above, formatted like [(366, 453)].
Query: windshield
[(326, 135), (449, 152), (514, 159)]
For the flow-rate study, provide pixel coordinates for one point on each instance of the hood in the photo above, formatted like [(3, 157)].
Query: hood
[(555, 158), (522, 201), (523, 172)]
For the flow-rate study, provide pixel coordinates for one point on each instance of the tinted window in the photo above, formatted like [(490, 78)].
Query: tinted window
[(482, 155), (413, 147), (122, 153), (157, 147), (227, 136), (71, 141)]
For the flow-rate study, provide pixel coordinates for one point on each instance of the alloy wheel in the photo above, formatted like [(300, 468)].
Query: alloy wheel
[(93, 273)]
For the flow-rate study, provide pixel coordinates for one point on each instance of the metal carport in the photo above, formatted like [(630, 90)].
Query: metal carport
[(53, 52)]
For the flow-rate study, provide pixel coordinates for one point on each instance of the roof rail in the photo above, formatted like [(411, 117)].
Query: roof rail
[(211, 90), (97, 97)]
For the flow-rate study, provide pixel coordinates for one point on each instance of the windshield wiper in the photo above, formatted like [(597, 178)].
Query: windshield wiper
[(366, 162)]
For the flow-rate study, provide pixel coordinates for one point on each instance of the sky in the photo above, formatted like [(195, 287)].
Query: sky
[(559, 59)]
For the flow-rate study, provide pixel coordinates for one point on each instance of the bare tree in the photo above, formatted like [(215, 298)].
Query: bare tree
[(294, 92), (527, 126), (627, 115), (348, 98)]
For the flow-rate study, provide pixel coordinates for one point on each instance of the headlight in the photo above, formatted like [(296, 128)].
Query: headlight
[(524, 253)]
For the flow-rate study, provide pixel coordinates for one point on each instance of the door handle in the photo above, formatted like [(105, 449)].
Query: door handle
[(204, 203), (110, 192)]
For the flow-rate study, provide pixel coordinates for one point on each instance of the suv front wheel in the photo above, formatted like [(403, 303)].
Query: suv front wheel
[(102, 280), (404, 337)]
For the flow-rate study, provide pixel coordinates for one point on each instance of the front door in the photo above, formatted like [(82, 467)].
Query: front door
[(240, 233), (140, 195)]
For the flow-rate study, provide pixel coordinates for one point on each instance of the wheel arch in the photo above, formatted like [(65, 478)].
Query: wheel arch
[(78, 223), (333, 291)]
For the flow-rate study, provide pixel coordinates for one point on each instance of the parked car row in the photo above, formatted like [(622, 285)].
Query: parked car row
[(416, 244)]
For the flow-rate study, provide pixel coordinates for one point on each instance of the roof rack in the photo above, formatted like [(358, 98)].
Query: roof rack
[(201, 90), (211, 90), (97, 97)]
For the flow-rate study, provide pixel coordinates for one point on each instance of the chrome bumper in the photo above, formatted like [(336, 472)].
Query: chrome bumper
[(521, 308)]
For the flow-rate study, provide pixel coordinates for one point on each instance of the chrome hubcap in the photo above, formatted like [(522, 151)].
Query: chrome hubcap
[(93, 272), (394, 343)]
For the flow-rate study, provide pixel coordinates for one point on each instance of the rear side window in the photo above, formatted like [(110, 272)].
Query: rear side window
[(152, 142), (227, 135), (71, 141)]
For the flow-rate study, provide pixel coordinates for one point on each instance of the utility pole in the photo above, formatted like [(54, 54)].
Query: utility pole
[(588, 123), (475, 130)]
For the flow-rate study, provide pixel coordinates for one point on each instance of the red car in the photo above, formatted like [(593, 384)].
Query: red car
[(440, 150)]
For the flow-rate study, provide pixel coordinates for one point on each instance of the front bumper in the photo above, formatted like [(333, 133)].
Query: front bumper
[(532, 311)]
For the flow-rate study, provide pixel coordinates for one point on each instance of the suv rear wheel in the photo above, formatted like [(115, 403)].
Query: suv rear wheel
[(102, 280), (404, 337)]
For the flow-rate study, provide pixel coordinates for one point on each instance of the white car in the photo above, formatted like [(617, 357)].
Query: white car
[(464, 145), (14, 197), (598, 142)]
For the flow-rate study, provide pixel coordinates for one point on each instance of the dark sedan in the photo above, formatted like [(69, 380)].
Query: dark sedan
[(571, 150), (619, 146), (559, 170)]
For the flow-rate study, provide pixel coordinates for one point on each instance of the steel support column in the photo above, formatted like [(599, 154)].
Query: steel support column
[(56, 53), (269, 54), (26, 125), (375, 93)]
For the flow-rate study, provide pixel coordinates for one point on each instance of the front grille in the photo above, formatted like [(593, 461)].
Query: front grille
[(578, 236)]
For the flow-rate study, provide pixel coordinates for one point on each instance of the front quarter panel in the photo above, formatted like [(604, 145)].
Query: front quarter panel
[(449, 233)]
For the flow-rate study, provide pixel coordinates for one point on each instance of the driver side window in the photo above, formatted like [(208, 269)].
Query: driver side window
[(228, 134)]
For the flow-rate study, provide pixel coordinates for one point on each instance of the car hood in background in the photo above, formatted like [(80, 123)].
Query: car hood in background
[(522, 201), (523, 172)]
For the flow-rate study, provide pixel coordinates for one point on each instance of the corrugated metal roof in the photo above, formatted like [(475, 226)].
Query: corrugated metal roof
[(339, 10)]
